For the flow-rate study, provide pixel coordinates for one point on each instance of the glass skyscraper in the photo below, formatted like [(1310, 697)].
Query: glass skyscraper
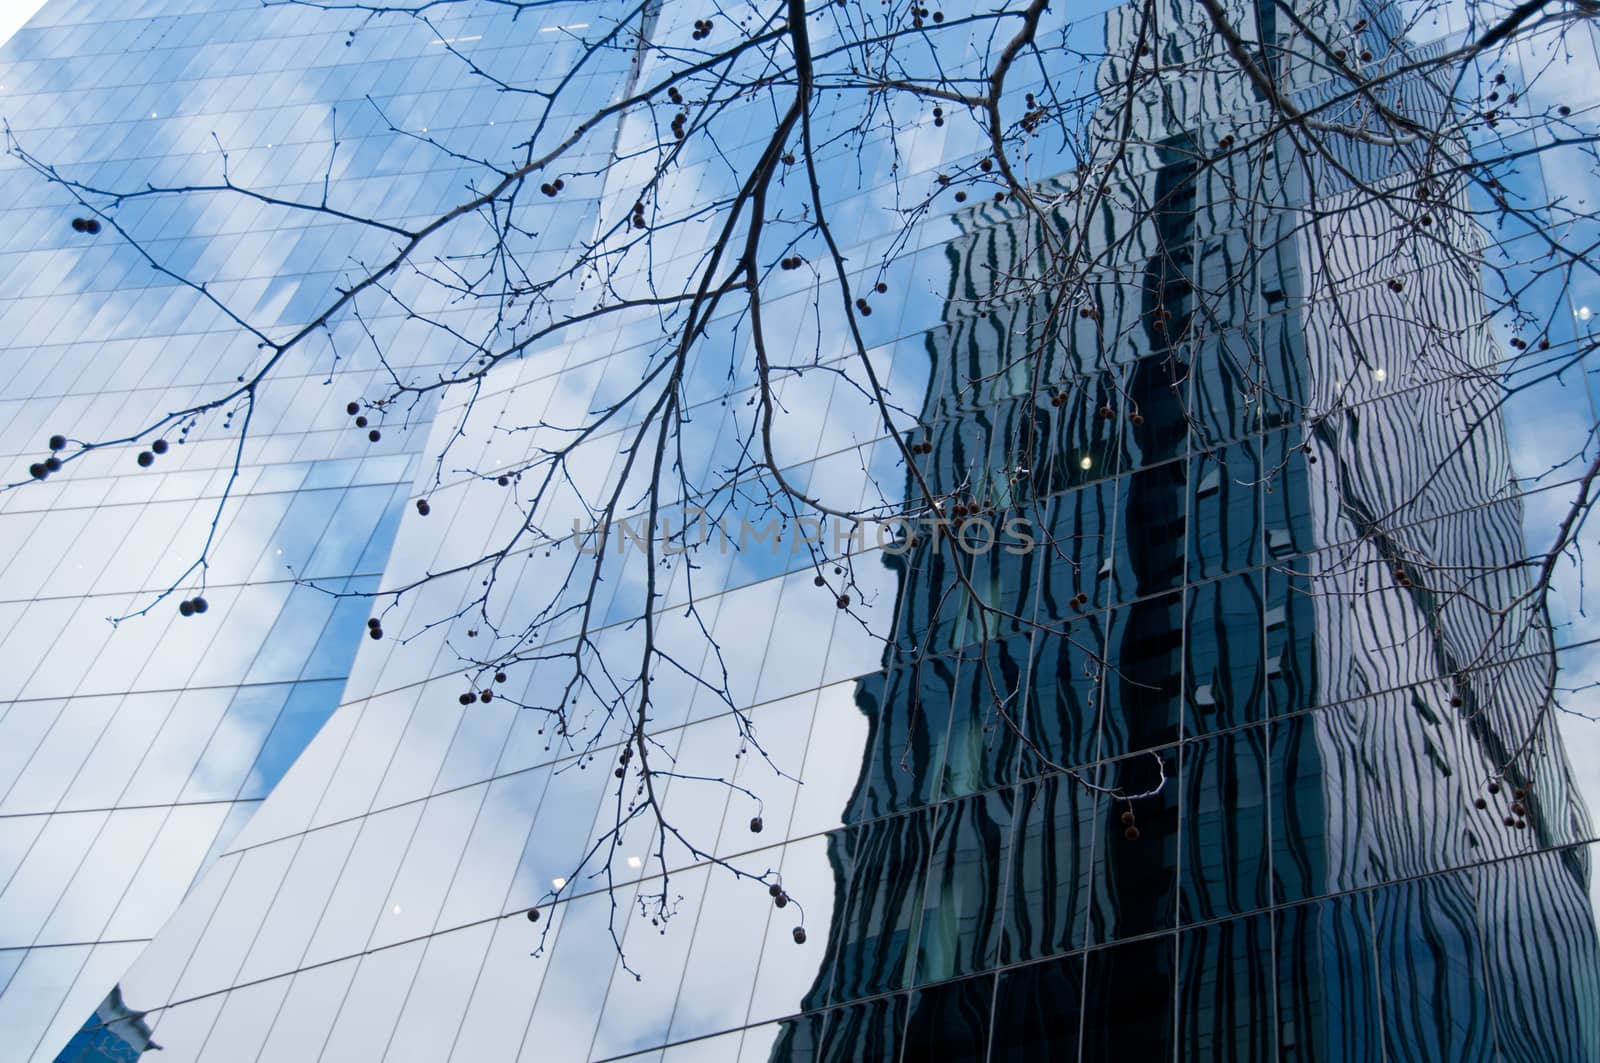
[(1191, 777)]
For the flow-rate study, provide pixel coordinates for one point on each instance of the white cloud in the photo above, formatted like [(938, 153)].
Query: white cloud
[(14, 14)]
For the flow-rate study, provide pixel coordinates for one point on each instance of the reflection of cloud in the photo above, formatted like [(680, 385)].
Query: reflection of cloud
[(115, 726)]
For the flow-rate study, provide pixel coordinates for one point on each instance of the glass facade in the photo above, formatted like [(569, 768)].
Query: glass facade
[(1177, 761), (134, 752)]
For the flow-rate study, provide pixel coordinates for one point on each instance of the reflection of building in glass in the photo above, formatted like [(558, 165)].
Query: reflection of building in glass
[(113, 1034), (1217, 441)]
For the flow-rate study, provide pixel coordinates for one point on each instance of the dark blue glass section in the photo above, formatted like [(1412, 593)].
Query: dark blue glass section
[(1038, 1010)]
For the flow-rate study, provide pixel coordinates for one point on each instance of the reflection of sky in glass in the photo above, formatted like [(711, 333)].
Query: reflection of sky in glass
[(1549, 422), (134, 763)]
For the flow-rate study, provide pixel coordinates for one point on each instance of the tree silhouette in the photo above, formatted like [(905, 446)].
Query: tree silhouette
[(752, 200)]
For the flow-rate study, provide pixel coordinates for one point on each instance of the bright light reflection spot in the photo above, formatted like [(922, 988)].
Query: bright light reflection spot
[(558, 882), (1085, 463), (1379, 375), (1583, 313), (635, 862), (396, 909)]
